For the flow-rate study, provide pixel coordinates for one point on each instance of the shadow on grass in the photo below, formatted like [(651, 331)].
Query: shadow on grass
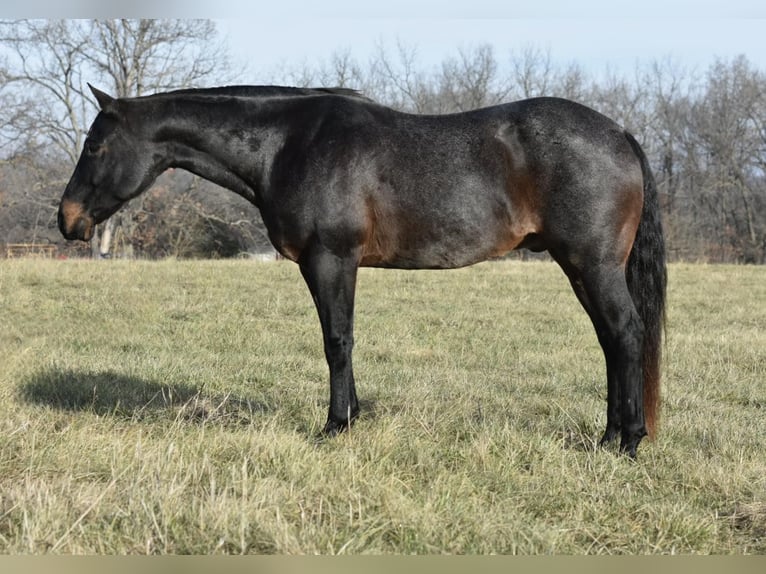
[(116, 394)]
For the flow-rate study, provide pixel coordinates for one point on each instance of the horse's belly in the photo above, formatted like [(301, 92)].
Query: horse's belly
[(446, 247)]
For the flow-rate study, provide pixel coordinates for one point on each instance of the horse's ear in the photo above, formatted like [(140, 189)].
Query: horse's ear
[(103, 99)]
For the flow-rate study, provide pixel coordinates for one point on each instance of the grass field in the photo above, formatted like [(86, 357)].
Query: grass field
[(173, 407)]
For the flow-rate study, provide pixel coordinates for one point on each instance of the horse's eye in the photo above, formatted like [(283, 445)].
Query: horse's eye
[(91, 147)]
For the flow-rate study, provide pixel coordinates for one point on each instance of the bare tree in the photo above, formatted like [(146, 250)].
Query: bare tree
[(44, 75), (471, 80), (727, 132), (400, 83), (142, 56), (42, 85), (342, 72), (668, 86), (531, 72)]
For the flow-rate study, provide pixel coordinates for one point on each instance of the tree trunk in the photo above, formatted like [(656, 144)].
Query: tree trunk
[(107, 232)]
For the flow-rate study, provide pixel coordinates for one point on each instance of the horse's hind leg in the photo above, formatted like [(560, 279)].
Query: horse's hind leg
[(613, 424), (603, 292), (332, 281)]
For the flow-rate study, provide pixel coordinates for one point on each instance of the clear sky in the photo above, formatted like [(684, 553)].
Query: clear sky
[(594, 33), (273, 34)]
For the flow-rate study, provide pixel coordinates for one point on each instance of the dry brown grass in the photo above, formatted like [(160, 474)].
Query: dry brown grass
[(172, 407)]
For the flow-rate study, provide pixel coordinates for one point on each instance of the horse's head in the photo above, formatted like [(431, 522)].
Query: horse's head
[(117, 163)]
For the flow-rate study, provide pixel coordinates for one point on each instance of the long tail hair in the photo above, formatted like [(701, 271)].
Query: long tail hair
[(647, 282)]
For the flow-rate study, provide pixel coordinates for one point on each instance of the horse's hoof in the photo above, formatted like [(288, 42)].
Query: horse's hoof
[(333, 428), (609, 435), (630, 452), (629, 442)]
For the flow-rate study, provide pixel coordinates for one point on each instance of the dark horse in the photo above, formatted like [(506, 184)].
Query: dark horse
[(342, 182)]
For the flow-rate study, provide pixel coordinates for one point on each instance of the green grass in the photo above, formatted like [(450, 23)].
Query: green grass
[(173, 407)]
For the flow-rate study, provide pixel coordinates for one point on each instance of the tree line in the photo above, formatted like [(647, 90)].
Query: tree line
[(703, 130)]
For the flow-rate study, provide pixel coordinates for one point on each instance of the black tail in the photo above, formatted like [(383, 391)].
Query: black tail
[(647, 283)]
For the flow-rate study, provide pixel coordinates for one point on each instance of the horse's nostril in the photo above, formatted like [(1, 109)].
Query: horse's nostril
[(85, 228), (74, 222)]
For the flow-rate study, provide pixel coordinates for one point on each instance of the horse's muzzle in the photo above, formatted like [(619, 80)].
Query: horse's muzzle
[(74, 222)]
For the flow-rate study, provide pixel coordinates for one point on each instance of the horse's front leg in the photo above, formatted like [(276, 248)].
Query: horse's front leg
[(331, 278)]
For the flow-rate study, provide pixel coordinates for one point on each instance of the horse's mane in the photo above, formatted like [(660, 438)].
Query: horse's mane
[(265, 91)]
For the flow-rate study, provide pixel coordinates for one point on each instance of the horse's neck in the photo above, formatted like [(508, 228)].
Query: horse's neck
[(231, 143)]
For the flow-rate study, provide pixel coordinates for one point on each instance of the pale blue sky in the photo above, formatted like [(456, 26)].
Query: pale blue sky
[(269, 44), (597, 34), (273, 34)]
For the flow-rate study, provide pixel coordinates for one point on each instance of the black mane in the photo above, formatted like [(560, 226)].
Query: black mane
[(265, 91)]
